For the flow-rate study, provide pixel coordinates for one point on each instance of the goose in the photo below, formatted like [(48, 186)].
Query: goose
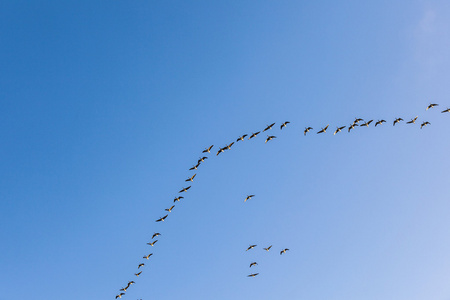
[(147, 256), (254, 134), (338, 129), (268, 248), (249, 197), (284, 125), (241, 138), (307, 129), (130, 283), (228, 147), (270, 137), (413, 121), (397, 120), (152, 243), (170, 208), (380, 122), (207, 150), (284, 251), (323, 129), (253, 264), (202, 159), (446, 111), (120, 295), (425, 124), (184, 189), (269, 127), (191, 178), (357, 120), (431, 106), (366, 123), (250, 247), (156, 234), (220, 151), (252, 275), (161, 219), (352, 126), (178, 199), (141, 265), (124, 289), (137, 274), (195, 167)]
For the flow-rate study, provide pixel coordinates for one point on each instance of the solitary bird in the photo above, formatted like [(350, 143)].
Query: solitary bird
[(323, 129), (241, 138), (270, 137), (177, 199), (249, 197), (184, 189), (253, 264), (446, 111), (137, 274), (366, 123), (397, 120), (254, 134), (152, 243), (268, 248), (307, 129), (155, 235), (120, 295), (207, 150), (284, 124), (352, 126), (431, 106), (191, 178), (269, 127), (284, 251), (141, 265), (252, 275), (250, 247), (380, 122), (338, 129), (424, 124), (161, 219), (413, 121), (195, 167), (147, 256), (170, 208)]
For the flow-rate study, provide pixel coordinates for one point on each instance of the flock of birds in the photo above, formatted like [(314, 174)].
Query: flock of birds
[(358, 122)]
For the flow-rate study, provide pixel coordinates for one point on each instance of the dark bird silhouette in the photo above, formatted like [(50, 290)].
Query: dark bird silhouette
[(147, 256), (431, 106), (220, 151), (195, 167), (284, 251), (413, 121), (170, 208), (269, 127), (228, 147), (130, 283), (156, 234), (141, 265), (178, 199), (284, 124), (137, 274), (424, 124), (397, 120), (191, 178), (357, 120), (253, 264), (323, 129), (352, 126), (338, 129), (162, 219), (253, 275), (249, 197), (207, 150), (446, 111), (268, 248), (270, 137), (120, 295), (184, 189), (366, 123), (241, 138), (380, 122), (152, 243), (124, 289), (254, 134), (202, 159), (250, 247), (307, 129)]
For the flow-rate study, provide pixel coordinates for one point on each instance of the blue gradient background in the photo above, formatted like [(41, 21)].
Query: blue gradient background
[(105, 105)]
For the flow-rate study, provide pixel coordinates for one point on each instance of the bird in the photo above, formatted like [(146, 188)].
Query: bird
[(352, 126), (195, 166), (284, 124), (161, 219), (431, 106), (269, 127), (177, 199), (130, 283), (425, 124), (191, 178), (252, 275), (254, 134), (268, 248), (141, 265), (124, 289), (338, 129), (120, 295), (397, 120), (323, 129), (307, 129), (147, 256), (357, 120), (249, 197), (137, 274), (366, 123), (253, 264), (413, 121), (380, 122), (170, 208), (184, 189), (250, 247), (152, 243), (283, 251), (270, 137), (207, 150), (202, 159), (155, 235), (446, 111), (228, 147), (241, 138), (220, 151)]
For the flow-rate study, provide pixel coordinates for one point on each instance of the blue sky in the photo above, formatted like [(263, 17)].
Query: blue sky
[(106, 105)]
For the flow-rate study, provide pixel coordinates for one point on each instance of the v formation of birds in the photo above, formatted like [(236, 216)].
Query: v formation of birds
[(358, 122)]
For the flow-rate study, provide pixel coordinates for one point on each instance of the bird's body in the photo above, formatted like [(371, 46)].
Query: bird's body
[(268, 248), (338, 129), (178, 199), (141, 265), (249, 197), (413, 121), (120, 295), (137, 274), (424, 124), (284, 125), (431, 106), (228, 147), (270, 137), (195, 166), (253, 264), (323, 129), (357, 120), (307, 129), (148, 256), (250, 247), (366, 123), (397, 120), (162, 219), (184, 189), (252, 275), (207, 150), (152, 243), (202, 159), (220, 151), (284, 251), (170, 208), (156, 234), (241, 138), (269, 127), (446, 111), (352, 126), (254, 134), (191, 178), (380, 122)]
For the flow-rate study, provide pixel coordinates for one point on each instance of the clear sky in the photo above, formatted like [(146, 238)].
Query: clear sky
[(105, 105)]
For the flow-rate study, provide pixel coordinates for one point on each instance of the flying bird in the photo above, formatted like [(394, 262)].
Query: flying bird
[(446, 111), (249, 197), (270, 137), (152, 243), (228, 147), (241, 138), (253, 264), (338, 129), (170, 208), (268, 248), (379, 122), (130, 283), (184, 189), (254, 134), (413, 121), (323, 129), (207, 150), (307, 129), (424, 124), (147, 256), (191, 178), (284, 251), (220, 151), (137, 274), (141, 265), (120, 295), (124, 289), (269, 127), (178, 199), (366, 123), (195, 167), (352, 126), (284, 124), (155, 235), (357, 120), (252, 275), (250, 247), (431, 106), (397, 120), (202, 159), (161, 219)]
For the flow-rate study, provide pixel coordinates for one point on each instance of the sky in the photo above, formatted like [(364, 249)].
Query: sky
[(105, 105)]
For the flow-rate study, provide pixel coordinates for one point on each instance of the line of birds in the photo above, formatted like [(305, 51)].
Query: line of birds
[(269, 138), (255, 263)]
